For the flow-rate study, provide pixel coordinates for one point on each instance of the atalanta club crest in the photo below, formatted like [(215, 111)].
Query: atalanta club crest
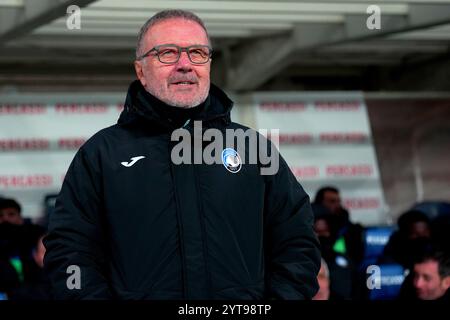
[(231, 160)]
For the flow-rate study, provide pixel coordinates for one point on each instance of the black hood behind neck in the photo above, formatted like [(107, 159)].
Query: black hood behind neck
[(218, 109)]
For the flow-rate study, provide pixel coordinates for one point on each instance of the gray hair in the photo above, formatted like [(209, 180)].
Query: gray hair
[(165, 15)]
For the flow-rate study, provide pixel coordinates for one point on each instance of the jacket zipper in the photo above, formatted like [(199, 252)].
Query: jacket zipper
[(180, 225)]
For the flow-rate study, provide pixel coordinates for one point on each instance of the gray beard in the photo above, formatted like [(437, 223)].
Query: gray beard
[(178, 105)]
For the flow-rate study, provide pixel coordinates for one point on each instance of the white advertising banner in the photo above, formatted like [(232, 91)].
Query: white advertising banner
[(39, 135), (326, 140)]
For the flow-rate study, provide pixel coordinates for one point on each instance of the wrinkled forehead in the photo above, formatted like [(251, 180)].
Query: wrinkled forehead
[(177, 31)]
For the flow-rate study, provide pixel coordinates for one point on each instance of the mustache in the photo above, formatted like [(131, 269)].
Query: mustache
[(183, 78)]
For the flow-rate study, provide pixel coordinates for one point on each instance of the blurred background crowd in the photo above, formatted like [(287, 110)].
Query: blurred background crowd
[(411, 259)]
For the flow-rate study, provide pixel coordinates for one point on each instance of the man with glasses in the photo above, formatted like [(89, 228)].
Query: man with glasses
[(130, 223)]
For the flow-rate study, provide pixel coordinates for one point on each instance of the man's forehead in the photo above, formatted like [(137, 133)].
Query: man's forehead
[(429, 266), (176, 29)]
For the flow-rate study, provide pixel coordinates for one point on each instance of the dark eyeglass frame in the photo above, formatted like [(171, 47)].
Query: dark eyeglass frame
[(180, 51)]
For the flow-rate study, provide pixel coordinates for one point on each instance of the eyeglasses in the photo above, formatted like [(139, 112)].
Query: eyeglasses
[(170, 53)]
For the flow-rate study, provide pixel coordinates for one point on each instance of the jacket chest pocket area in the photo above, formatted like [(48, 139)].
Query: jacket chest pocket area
[(137, 177)]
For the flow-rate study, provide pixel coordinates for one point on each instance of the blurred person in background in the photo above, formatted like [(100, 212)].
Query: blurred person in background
[(36, 285), (341, 270), (16, 229), (411, 240), (432, 277), (10, 212), (18, 238), (330, 198), (429, 278), (348, 235)]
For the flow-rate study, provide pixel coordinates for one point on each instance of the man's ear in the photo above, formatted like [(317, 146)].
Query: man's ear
[(139, 72), (446, 282)]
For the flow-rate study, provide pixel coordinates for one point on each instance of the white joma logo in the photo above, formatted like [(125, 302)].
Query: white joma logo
[(133, 161)]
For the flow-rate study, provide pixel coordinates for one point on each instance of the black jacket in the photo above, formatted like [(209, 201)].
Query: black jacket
[(157, 230)]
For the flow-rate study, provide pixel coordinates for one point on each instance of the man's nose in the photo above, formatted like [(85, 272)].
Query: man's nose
[(418, 282), (184, 64)]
